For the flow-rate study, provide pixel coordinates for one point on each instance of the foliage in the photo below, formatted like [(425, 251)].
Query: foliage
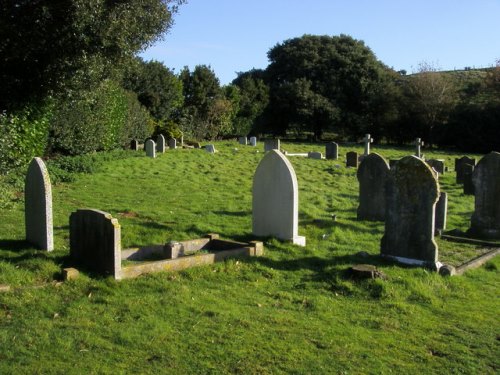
[(169, 129)]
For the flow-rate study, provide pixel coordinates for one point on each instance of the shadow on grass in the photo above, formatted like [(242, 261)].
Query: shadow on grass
[(233, 213), (16, 245)]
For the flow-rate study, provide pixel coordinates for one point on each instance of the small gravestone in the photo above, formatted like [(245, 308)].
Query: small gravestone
[(351, 159), (253, 141), (271, 144), (418, 143), (276, 199), (134, 145), (38, 206), (315, 155), (210, 149), (243, 141), (372, 175), (459, 164), (172, 143), (441, 212), (95, 241), (160, 143), (367, 140), (485, 221), (332, 151), (411, 195), (467, 171), (437, 164), (150, 147)]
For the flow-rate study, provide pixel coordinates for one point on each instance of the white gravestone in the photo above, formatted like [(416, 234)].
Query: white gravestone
[(38, 206), (150, 147), (276, 199), (367, 140)]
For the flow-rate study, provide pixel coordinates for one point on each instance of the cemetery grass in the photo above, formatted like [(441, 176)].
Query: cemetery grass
[(294, 310)]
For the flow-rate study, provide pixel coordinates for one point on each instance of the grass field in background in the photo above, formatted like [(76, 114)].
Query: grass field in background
[(291, 311)]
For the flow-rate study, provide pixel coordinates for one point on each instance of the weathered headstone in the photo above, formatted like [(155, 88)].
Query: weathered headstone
[(467, 171), (351, 159), (441, 212), (134, 145), (160, 143), (411, 195), (367, 140), (315, 155), (150, 147), (418, 143), (271, 144), (210, 149), (437, 164), (276, 199), (372, 176), (172, 143), (485, 221), (38, 206), (95, 241), (459, 164), (243, 141), (332, 151), (253, 141)]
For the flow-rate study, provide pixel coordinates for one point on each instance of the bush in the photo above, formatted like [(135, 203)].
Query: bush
[(169, 129)]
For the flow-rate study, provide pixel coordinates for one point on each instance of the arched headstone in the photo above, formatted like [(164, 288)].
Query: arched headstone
[(372, 176), (276, 199), (160, 143), (485, 221), (134, 145), (150, 147), (172, 143), (459, 166), (253, 141), (38, 206), (411, 195), (332, 151)]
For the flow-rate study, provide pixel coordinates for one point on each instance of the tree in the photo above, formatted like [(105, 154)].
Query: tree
[(52, 46)]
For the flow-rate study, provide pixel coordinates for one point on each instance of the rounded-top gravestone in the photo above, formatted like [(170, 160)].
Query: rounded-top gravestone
[(372, 176)]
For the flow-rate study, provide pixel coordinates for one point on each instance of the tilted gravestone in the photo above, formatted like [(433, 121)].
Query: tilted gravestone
[(351, 159), (150, 147), (160, 143), (332, 151), (485, 221), (437, 164), (172, 143), (315, 155), (441, 212), (467, 172), (372, 175), (459, 164), (367, 140), (134, 145), (95, 241), (411, 195), (253, 141), (271, 144), (276, 199), (38, 206), (210, 149), (243, 141)]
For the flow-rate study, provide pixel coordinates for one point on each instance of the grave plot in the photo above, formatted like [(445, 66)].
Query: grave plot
[(95, 243)]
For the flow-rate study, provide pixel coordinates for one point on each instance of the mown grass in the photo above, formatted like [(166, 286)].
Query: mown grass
[(293, 310)]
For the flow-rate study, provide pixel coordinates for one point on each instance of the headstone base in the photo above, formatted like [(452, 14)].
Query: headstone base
[(415, 262), (299, 240)]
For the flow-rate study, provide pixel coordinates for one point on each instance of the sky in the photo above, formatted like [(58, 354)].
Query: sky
[(235, 35)]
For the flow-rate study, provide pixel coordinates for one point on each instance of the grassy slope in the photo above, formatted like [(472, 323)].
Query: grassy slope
[(290, 311)]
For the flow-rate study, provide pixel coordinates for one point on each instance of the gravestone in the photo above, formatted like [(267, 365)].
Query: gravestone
[(485, 221), (160, 143), (276, 199), (411, 195), (392, 162), (95, 241), (243, 141), (367, 140), (172, 143), (38, 206), (351, 159), (315, 155), (459, 164), (441, 212), (134, 145), (271, 144), (418, 143), (253, 141), (150, 147), (210, 149), (332, 151), (372, 175), (467, 171), (437, 164)]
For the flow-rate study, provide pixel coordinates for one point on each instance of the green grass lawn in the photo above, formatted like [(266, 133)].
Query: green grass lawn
[(291, 311)]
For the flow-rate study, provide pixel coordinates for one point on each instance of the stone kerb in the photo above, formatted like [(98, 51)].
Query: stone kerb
[(485, 221), (276, 199), (411, 195), (95, 241), (38, 206), (372, 176)]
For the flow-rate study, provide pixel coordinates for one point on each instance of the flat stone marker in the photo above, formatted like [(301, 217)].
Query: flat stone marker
[(276, 199), (351, 159), (172, 143), (160, 143), (418, 143), (253, 141), (210, 149), (271, 144), (315, 155), (411, 195), (367, 140), (38, 206), (437, 164), (372, 175), (459, 163), (441, 212), (150, 147), (467, 171), (332, 151), (243, 141), (134, 145), (485, 221)]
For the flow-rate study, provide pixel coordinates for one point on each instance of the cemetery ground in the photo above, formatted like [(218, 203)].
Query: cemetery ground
[(293, 310)]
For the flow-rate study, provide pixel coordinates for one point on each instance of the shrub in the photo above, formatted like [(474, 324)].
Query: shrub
[(169, 129)]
